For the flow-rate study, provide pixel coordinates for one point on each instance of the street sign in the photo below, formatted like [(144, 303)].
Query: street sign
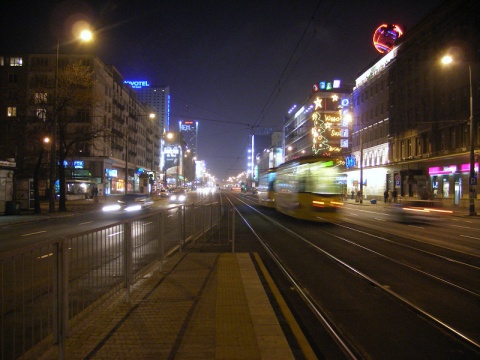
[(473, 181)]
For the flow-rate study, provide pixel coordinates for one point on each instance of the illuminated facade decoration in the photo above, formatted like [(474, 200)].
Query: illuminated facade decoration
[(385, 36), (321, 125), (330, 129)]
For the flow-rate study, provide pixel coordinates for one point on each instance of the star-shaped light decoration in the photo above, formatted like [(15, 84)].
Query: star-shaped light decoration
[(335, 97), (318, 103)]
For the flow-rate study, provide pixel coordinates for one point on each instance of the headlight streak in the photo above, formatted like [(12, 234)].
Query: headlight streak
[(35, 233), (114, 234), (109, 208)]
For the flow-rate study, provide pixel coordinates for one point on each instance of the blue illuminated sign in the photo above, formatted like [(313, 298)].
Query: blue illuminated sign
[(350, 162), (78, 164), (137, 84)]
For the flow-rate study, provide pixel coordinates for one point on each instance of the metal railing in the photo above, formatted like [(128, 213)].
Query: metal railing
[(47, 287)]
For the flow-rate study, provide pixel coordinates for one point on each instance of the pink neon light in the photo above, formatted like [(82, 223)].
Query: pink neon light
[(466, 167), (437, 170), (445, 170)]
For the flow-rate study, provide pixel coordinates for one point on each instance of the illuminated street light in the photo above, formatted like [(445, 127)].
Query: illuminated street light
[(472, 181)]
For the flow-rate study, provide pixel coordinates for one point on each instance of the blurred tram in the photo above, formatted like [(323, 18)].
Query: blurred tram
[(306, 187), (266, 181)]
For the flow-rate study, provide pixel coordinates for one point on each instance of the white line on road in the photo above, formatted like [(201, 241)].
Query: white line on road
[(35, 233), (85, 223), (463, 227), (470, 237)]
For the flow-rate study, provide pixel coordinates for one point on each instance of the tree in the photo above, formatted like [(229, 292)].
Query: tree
[(76, 101)]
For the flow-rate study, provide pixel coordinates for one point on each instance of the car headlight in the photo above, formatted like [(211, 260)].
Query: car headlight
[(182, 198), (173, 197), (108, 208), (133, 208)]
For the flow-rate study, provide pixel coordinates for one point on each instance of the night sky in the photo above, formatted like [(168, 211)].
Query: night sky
[(236, 66)]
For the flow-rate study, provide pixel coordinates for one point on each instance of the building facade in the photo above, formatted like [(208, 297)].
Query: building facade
[(322, 124), (117, 161), (433, 108)]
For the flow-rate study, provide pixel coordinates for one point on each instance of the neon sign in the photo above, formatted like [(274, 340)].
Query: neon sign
[(330, 126), (326, 85), (385, 36), (137, 84)]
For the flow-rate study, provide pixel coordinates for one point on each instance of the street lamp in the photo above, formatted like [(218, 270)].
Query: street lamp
[(472, 181), (85, 35)]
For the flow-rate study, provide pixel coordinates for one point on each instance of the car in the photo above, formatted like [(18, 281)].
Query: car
[(163, 193), (178, 196), (411, 211), (130, 202)]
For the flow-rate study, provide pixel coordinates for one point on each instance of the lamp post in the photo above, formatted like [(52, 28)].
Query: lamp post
[(53, 138), (152, 116), (126, 156), (472, 181), (84, 35)]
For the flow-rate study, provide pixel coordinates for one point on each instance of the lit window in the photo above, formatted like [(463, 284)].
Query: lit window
[(41, 114), (40, 98), (11, 111), (16, 61)]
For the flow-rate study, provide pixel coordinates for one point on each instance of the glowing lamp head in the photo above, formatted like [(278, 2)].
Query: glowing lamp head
[(385, 36)]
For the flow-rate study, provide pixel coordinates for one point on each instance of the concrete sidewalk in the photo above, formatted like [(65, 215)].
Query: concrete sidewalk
[(199, 306)]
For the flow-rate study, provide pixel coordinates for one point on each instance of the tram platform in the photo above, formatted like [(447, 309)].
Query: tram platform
[(196, 306)]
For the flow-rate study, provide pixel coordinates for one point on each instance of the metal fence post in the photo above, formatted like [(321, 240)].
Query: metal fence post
[(193, 225), (59, 311), (180, 229), (127, 256), (162, 238), (233, 229), (211, 220)]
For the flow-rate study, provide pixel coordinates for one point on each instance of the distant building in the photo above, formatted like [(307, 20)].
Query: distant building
[(189, 130), (157, 97)]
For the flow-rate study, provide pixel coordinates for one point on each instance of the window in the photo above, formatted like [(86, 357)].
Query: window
[(11, 111), (40, 98), (12, 78), (41, 114), (83, 116), (16, 61), (40, 61)]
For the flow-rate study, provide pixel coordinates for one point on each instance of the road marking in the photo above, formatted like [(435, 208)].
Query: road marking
[(85, 223), (463, 227), (45, 256), (470, 237), (418, 227), (35, 233), (380, 219)]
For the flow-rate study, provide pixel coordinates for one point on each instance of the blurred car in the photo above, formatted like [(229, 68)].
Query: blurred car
[(178, 196), (411, 211), (130, 202), (163, 193)]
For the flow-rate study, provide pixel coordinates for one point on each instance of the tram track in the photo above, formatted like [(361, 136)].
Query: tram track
[(394, 293)]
